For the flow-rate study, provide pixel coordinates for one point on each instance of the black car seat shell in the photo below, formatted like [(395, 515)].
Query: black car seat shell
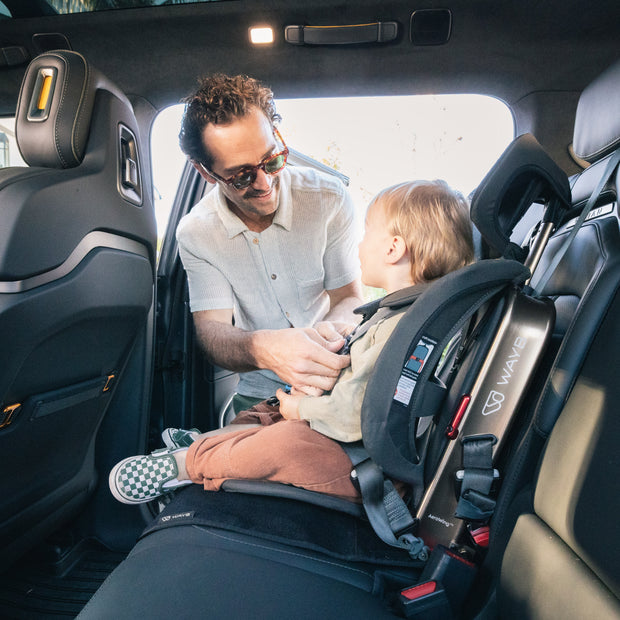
[(77, 257)]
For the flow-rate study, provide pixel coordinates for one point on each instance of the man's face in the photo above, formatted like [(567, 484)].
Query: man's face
[(245, 142)]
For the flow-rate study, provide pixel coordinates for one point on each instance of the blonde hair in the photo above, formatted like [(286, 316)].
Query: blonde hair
[(433, 220)]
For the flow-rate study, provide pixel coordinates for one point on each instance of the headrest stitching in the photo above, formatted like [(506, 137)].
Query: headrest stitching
[(81, 111), (57, 121), (75, 128), (610, 146)]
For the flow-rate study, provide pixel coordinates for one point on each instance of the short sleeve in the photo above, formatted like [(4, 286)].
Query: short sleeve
[(208, 287), (341, 261)]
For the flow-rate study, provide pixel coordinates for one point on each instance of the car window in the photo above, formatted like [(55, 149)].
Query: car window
[(9, 153), (374, 141), (65, 7)]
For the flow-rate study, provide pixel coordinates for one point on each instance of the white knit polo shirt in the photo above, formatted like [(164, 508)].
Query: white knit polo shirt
[(277, 278)]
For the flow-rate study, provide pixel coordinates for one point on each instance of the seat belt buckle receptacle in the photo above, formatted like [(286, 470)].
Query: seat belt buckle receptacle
[(444, 585)]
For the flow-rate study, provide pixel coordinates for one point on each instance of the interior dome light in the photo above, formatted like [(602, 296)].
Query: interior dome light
[(261, 35)]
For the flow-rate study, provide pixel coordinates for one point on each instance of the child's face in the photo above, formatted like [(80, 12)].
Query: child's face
[(374, 245)]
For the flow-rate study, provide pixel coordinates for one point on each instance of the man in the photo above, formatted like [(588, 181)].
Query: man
[(270, 252)]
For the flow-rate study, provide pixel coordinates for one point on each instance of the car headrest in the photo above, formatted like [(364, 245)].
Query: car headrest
[(597, 121), (55, 108), (523, 175)]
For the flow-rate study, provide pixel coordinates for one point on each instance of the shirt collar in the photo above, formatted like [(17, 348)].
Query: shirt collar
[(283, 216)]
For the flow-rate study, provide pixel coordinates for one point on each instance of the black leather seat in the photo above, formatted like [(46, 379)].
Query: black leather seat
[(77, 256), (556, 539)]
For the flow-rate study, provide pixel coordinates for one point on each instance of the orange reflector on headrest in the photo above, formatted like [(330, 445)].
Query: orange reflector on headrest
[(42, 94), (46, 88)]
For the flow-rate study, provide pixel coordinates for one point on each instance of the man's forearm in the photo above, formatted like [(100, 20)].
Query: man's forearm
[(342, 303), (343, 311), (227, 345), (298, 356)]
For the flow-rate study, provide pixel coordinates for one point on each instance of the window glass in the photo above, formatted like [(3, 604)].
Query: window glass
[(9, 153), (86, 6), (375, 141), (380, 141)]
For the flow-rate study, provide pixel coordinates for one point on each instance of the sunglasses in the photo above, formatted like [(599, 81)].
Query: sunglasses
[(247, 176)]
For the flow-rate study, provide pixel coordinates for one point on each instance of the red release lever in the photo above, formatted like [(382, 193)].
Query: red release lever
[(428, 587), (453, 428)]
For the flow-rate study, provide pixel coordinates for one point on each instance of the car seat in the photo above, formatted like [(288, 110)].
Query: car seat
[(77, 256), (323, 536)]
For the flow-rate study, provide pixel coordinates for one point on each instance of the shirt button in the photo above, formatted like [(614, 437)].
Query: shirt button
[(273, 276), (255, 241)]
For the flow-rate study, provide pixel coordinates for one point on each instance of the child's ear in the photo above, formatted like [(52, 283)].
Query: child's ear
[(397, 250)]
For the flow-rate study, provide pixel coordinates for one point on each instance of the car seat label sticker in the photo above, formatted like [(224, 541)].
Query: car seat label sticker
[(179, 516), (412, 369)]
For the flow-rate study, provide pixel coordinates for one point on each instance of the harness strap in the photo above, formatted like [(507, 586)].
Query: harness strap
[(374, 311), (386, 510), (477, 475)]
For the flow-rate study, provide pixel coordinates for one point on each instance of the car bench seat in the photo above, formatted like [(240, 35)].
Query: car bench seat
[(77, 256), (212, 568)]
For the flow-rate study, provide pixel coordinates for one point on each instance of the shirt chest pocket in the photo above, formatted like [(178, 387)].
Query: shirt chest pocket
[(310, 291)]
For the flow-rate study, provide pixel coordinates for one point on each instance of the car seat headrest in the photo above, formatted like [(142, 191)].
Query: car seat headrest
[(597, 121), (55, 108), (524, 174)]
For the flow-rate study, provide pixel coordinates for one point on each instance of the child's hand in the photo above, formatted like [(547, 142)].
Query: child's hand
[(306, 390), (289, 404)]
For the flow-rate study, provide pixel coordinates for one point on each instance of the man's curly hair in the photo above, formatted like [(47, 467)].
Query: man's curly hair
[(220, 99)]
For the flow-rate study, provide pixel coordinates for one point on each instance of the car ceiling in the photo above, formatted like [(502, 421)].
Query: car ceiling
[(511, 49)]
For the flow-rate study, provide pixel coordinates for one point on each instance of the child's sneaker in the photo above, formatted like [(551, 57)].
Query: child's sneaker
[(179, 438), (139, 479)]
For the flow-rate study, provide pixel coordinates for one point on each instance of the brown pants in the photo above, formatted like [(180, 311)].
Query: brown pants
[(280, 450)]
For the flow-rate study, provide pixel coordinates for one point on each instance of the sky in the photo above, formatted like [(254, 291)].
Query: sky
[(376, 141)]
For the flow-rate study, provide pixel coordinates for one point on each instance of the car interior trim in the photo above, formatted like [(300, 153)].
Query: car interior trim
[(92, 241)]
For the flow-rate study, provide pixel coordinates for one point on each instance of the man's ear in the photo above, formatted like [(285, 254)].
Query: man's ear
[(397, 250), (202, 171)]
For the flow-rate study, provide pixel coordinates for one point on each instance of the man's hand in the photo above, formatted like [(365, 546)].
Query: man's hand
[(334, 330), (300, 357)]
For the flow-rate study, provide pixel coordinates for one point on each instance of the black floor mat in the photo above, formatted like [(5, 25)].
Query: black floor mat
[(36, 589)]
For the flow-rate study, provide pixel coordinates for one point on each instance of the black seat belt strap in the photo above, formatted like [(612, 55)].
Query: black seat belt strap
[(538, 282), (476, 478), (385, 508)]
